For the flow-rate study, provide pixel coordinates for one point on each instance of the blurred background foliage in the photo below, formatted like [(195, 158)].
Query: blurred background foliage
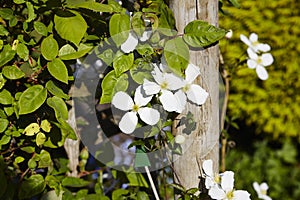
[(267, 112)]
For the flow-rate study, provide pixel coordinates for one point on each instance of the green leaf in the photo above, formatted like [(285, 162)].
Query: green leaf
[(31, 99), (40, 139), (91, 5), (6, 55), (3, 31), (40, 28), (122, 63), (5, 140), (67, 52), (141, 195), (138, 23), (119, 194), (137, 179), (66, 130), (58, 70), (31, 14), (74, 182), (19, 159), (144, 49), (29, 149), (141, 158), (71, 28), (46, 126), (178, 187), (177, 55), (23, 51), (107, 56), (3, 124), (2, 81), (12, 72), (44, 159), (201, 34), (141, 70), (119, 26), (56, 91), (19, 1), (5, 97), (49, 48), (59, 106), (31, 129), (34, 185), (112, 84)]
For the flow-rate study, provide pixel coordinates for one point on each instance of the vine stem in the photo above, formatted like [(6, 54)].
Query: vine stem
[(152, 183)]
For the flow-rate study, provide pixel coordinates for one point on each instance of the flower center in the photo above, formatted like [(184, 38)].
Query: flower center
[(217, 178), (255, 43), (186, 88), (263, 192), (135, 108), (259, 60), (164, 85), (229, 195)]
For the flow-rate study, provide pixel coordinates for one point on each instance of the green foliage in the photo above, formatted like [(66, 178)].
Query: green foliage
[(268, 105), (267, 163)]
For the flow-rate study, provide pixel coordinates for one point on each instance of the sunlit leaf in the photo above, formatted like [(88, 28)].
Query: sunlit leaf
[(138, 23), (31, 15), (59, 106), (12, 72), (40, 139), (122, 63), (6, 55), (34, 185), (67, 52), (40, 28), (58, 70), (49, 48), (74, 182), (32, 98), (119, 26), (5, 97), (31, 129), (3, 124), (55, 90)]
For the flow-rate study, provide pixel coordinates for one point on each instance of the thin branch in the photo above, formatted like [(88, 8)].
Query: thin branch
[(152, 183)]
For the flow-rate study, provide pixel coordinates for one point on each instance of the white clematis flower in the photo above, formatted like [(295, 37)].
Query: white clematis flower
[(195, 93), (261, 190), (130, 44), (253, 43), (211, 179), (226, 191), (164, 84), (259, 62), (128, 122)]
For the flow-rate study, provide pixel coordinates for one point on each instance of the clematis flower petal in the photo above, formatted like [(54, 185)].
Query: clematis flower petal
[(217, 193), (208, 167), (264, 186), (197, 94), (150, 87), (267, 59), (149, 115), (245, 39), (140, 98), (173, 82), (251, 63), (252, 54), (263, 47), (128, 122), (227, 181), (256, 187), (130, 44), (169, 101), (253, 37), (122, 101), (191, 73), (181, 99), (241, 195), (262, 72), (157, 74)]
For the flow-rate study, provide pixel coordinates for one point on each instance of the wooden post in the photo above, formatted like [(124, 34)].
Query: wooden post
[(202, 143)]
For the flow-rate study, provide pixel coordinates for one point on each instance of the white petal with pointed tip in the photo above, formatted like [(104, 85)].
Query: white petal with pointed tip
[(122, 101), (241, 195), (217, 193), (157, 75), (141, 99), (262, 72), (256, 187), (227, 181), (150, 87), (197, 94), (263, 47), (130, 44), (169, 101), (191, 73), (181, 99), (245, 39), (264, 186), (267, 59), (149, 115), (253, 37), (128, 122), (174, 82), (207, 166), (251, 64)]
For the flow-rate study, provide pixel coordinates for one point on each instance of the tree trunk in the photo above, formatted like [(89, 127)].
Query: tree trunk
[(203, 142)]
